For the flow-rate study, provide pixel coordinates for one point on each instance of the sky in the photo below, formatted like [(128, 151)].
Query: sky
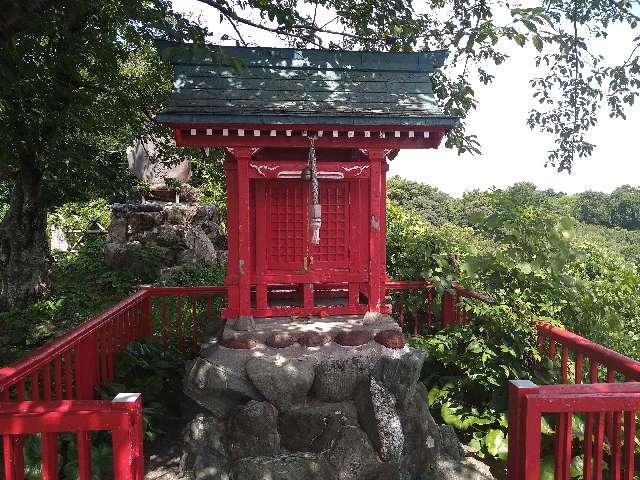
[(511, 152)]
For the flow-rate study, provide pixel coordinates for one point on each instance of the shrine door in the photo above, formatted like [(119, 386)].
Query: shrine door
[(287, 242)]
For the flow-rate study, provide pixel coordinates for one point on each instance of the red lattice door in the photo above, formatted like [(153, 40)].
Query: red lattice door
[(333, 250), (288, 245), (287, 221)]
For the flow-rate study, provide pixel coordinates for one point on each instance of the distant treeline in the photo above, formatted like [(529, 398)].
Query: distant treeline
[(620, 208)]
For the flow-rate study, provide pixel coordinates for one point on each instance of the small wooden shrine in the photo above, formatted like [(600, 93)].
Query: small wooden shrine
[(307, 134)]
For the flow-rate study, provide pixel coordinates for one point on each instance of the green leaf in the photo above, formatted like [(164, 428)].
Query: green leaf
[(496, 443), (547, 468), (537, 42)]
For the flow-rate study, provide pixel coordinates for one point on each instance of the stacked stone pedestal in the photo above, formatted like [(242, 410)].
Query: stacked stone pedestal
[(349, 408)]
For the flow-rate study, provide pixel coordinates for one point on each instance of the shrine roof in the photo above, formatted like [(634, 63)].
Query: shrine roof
[(277, 86)]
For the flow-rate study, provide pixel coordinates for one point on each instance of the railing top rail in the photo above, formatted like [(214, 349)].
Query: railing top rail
[(596, 352), (37, 358), (407, 284), (463, 292), (200, 290)]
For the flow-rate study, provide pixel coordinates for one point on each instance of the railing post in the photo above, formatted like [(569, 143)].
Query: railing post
[(128, 459), (13, 457), (86, 357), (518, 389), (147, 315), (448, 310)]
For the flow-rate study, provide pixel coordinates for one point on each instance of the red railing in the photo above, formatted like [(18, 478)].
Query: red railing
[(452, 309), (71, 367), (602, 364), (529, 402), (122, 417)]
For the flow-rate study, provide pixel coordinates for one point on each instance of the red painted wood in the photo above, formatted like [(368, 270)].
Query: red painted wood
[(297, 140), (83, 439), (616, 447), (376, 241), (179, 326), (272, 169), (242, 157), (587, 464), (13, 457), (49, 450), (629, 444), (195, 333)]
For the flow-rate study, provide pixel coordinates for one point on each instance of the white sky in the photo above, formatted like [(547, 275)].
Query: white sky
[(511, 152)]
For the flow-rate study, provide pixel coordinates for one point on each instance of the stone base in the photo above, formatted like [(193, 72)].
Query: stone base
[(322, 412)]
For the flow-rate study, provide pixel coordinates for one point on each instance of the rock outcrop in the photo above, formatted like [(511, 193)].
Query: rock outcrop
[(164, 236), (330, 411)]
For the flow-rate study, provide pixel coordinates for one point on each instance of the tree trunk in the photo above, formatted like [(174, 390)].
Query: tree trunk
[(24, 244)]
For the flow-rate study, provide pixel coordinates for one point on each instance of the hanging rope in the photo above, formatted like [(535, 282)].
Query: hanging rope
[(315, 210)]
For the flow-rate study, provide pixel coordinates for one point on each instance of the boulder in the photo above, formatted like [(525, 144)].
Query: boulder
[(314, 339), (449, 443), (390, 339), (118, 229), (315, 426), (378, 417), (203, 451), (280, 340), (353, 338), (284, 382), (352, 456), (217, 388), (400, 375), (199, 248), (294, 466), (238, 343), (421, 435), (244, 323), (337, 378), (446, 468), (142, 221), (253, 431)]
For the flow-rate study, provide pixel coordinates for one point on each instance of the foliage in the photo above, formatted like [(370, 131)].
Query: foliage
[(84, 288), (155, 371), (519, 246), (467, 371), (436, 206), (573, 80)]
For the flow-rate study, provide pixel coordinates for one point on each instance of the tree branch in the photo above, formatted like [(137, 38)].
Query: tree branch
[(624, 10), (225, 10)]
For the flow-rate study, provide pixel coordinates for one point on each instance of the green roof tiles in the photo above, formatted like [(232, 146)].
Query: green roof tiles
[(255, 85)]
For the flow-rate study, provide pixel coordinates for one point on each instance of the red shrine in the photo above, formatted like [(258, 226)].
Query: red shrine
[(302, 127)]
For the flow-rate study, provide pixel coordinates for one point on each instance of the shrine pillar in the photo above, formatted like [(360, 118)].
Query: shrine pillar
[(238, 278), (377, 253)]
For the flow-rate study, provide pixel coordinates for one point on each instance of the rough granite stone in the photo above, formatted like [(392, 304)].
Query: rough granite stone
[(390, 339), (314, 339), (280, 340), (243, 324), (315, 426), (371, 318), (203, 452), (337, 378), (217, 388), (421, 435), (353, 338), (292, 466), (468, 469), (284, 382), (379, 419), (352, 455), (400, 375), (240, 343), (253, 431), (449, 443)]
